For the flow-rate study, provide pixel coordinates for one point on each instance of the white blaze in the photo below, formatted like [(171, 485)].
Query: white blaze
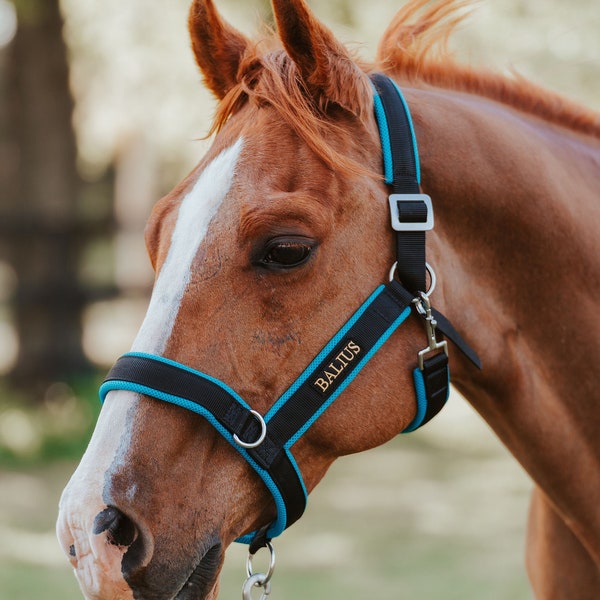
[(195, 214), (98, 563)]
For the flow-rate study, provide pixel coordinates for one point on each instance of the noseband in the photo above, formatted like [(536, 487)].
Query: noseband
[(265, 442)]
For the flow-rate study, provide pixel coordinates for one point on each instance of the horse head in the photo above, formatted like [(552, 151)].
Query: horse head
[(261, 254)]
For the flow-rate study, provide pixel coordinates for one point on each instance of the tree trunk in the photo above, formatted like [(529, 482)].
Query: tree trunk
[(39, 222)]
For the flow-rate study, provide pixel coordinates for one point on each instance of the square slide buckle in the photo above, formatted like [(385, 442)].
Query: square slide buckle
[(398, 225)]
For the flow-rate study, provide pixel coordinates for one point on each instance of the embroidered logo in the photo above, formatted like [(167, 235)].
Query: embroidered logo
[(337, 366)]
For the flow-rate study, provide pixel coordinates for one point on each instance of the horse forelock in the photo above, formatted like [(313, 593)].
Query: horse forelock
[(272, 79)]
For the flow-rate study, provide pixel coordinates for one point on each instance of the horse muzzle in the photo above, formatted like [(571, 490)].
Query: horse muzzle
[(114, 558), (123, 540)]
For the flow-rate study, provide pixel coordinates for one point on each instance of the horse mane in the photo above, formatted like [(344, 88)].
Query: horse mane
[(414, 48)]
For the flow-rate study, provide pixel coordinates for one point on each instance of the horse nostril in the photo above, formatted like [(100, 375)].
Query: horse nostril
[(120, 529)]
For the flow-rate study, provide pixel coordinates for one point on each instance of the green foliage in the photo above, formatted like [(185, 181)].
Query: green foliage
[(57, 428)]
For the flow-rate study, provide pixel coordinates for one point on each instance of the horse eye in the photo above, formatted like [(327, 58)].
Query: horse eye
[(286, 253)]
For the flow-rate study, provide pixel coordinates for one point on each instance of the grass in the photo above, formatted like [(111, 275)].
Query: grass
[(427, 516), (409, 520), (56, 427)]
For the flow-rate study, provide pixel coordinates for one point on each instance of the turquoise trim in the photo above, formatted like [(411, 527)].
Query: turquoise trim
[(351, 377), (412, 132), (297, 469), (384, 135), (421, 401)]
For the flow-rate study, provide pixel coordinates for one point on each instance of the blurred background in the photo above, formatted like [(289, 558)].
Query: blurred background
[(101, 113)]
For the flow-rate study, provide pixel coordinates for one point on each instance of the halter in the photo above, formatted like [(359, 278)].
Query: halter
[(266, 441)]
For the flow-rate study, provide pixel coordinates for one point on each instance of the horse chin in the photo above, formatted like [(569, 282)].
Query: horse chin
[(169, 579), (203, 582)]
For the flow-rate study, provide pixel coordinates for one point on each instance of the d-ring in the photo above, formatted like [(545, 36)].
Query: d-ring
[(429, 270), (263, 433)]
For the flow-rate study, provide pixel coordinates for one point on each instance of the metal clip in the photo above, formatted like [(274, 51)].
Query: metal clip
[(423, 307)]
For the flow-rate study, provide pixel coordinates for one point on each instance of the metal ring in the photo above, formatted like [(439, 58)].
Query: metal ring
[(256, 580), (430, 270), (269, 573), (263, 433), (433, 278)]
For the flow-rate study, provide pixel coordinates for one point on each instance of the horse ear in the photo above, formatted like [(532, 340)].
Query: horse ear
[(218, 47), (325, 65)]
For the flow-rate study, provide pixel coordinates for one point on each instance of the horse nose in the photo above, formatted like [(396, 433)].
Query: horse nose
[(114, 529), (102, 549), (120, 529)]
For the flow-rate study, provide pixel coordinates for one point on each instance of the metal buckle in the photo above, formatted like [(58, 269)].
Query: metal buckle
[(398, 225)]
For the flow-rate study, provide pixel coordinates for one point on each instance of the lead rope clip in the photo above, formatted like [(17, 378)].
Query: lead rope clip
[(259, 580), (423, 307)]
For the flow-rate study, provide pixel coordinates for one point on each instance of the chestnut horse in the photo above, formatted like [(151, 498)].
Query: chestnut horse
[(279, 235)]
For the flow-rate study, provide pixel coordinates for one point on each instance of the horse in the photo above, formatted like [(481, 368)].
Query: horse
[(279, 236)]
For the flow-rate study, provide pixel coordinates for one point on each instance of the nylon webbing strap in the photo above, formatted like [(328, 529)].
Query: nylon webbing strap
[(403, 174), (437, 384), (450, 332), (333, 370), (403, 177), (410, 219), (177, 384)]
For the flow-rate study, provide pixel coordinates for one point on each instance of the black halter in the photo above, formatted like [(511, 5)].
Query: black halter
[(265, 441)]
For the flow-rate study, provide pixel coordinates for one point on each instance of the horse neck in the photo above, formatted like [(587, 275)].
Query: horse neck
[(516, 211), (515, 249)]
